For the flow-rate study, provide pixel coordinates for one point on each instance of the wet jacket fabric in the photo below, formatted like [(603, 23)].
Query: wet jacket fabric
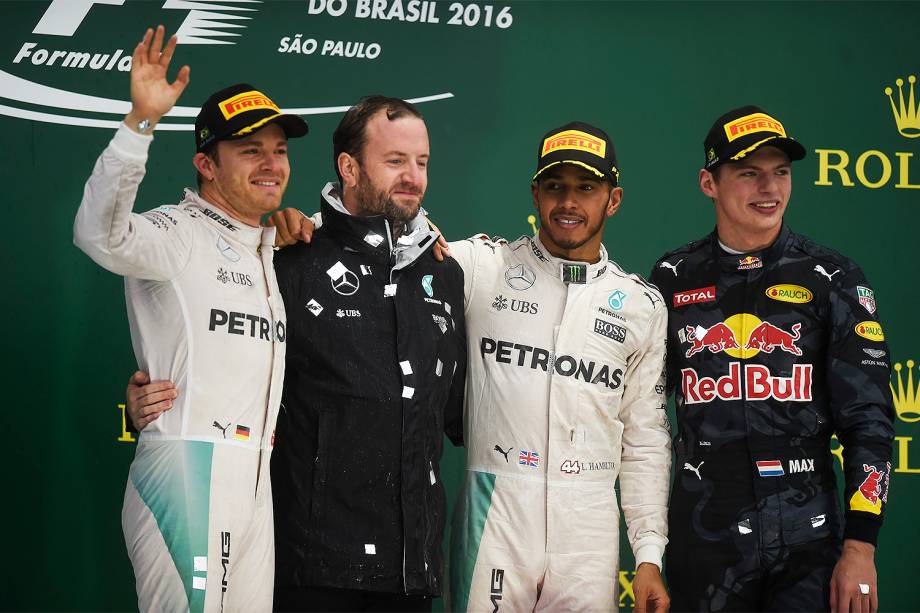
[(375, 374)]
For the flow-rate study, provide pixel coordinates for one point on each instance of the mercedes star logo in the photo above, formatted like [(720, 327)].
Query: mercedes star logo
[(520, 277), (347, 284), (343, 280)]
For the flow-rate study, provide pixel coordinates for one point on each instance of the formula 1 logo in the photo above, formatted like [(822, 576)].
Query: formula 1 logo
[(62, 42), (758, 336), (205, 24)]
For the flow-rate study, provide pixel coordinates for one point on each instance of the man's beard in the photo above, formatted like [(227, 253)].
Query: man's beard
[(378, 202), (572, 243)]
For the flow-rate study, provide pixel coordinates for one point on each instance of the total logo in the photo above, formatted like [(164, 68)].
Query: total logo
[(758, 336)]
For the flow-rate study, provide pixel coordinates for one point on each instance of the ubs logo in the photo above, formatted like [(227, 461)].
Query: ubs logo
[(500, 303), (228, 276)]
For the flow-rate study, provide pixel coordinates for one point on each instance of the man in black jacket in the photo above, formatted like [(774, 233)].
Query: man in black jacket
[(376, 365), (775, 345)]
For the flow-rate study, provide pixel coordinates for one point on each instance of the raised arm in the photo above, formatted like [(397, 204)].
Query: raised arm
[(155, 245)]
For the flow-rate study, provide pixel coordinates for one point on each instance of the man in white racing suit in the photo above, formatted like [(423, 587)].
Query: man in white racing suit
[(565, 393), (204, 312)]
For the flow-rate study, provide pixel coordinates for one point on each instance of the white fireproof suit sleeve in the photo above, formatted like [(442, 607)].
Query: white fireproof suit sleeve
[(151, 246), (466, 252), (645, 473)]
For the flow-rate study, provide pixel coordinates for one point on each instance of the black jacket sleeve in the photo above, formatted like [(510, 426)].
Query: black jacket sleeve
[(453, 411), (858, 371)]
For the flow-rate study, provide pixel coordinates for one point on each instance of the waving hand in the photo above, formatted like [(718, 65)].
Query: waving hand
[(152, 95)]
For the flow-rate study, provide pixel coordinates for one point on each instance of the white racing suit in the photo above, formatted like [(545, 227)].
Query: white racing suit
[(565, 393), (205, 313)]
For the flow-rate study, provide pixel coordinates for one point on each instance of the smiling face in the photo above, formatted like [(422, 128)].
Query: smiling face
[(249, 175), (573, 204), (750, 197), (390, 175)]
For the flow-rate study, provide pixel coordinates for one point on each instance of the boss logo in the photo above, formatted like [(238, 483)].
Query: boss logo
[(612, 331)]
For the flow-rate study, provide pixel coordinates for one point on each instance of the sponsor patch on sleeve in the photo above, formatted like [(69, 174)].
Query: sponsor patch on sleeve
[(871, 330)]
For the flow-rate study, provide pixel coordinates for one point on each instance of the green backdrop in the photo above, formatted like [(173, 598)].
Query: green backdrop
[(655, 75)]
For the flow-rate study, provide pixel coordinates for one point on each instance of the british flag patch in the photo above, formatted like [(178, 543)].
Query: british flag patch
[(529, 458)]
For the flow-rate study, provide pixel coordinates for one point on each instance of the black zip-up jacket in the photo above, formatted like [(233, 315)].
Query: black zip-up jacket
[(770, 354), (376, 364)]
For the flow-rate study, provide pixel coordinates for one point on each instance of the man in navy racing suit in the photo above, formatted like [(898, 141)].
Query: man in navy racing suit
[(774, 345)]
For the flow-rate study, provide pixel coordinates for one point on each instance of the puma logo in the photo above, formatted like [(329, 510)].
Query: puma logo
[(696, 470), (223, 429), (503, 452), (673, 267), (820, 269)]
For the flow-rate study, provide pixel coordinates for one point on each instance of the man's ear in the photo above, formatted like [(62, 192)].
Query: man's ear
[(349, 169), (614, 200), (205, 166), (708, 183)]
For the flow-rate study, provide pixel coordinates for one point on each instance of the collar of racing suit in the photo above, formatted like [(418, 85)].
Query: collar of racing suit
[(742, 262), (371, 234), (245, 234), (560, 269)]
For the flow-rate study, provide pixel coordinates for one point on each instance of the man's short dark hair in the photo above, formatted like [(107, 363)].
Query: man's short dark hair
[(350, 135), (211, 153)]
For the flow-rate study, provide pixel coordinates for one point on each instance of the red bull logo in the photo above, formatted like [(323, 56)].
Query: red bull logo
[(728, 336), (868, 497), (766, 337), (871, 487), (758, 383), (717, 338)]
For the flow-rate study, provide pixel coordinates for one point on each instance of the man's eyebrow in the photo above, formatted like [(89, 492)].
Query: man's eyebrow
[(745, 165), (403, 153)]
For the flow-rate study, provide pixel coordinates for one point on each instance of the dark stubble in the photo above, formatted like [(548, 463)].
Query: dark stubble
[(374, 201)]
